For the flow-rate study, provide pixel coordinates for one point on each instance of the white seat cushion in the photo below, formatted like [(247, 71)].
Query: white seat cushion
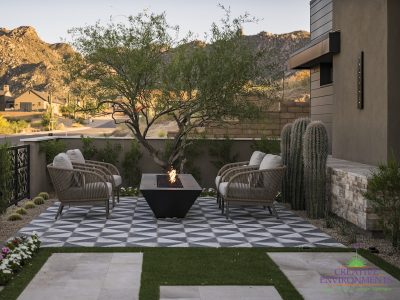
[(75, 155), (256, 158), (271, 162), (217, 180), (117, 180)]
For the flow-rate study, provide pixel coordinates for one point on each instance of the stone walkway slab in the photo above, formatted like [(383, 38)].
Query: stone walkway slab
[(219, 293), (328, 276), (87, 276)]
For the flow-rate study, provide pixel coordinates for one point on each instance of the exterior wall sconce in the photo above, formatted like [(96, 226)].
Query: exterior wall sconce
[(360, 81)]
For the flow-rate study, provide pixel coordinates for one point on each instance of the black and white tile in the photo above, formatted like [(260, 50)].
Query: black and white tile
[(132, 223)]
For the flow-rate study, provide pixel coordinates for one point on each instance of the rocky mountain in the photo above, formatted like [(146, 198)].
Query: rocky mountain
[(28, 62)]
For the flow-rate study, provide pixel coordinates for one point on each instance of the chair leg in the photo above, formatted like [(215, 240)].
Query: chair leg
[(222, 205), (270, 211), (108, 207), (60, 209), (118, 190), (227, 210), (275, 211)]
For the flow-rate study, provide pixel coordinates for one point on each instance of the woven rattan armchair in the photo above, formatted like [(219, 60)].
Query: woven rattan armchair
[(113, 175), (251, 186), (254, 161), (80, 186)]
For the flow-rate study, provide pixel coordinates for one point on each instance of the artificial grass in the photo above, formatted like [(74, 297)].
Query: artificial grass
[(196, 266)]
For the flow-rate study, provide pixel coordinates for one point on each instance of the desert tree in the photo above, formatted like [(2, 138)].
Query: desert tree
[(145, 71)]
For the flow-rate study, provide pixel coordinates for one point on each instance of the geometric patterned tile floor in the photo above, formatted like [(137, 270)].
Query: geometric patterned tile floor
[(132, 224)]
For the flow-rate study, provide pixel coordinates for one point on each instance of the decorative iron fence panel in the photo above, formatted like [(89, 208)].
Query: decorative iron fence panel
[(20, 179)]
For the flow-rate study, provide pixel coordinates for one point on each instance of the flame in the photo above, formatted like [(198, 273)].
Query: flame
[(172, 175)]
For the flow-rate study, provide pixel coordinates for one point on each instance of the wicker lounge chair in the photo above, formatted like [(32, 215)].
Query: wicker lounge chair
[(113, 176), (255, 160), (79, 186), (253, 185)]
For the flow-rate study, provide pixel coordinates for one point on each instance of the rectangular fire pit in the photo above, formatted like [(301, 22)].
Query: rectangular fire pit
[(168, 200)]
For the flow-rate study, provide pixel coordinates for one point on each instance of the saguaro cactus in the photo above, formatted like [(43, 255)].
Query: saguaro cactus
[(296, 168), (285, 153), (315, 154)]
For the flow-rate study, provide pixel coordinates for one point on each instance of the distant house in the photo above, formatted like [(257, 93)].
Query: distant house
[(33, 100), (6, 99)]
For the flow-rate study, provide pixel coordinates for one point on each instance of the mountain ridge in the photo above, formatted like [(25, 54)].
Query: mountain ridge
[(26, 61)]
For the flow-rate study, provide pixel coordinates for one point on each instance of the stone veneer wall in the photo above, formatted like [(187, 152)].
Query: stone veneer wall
[(347, 181), (269, 126)]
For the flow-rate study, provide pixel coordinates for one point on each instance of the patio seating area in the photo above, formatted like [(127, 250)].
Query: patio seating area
[(132, 223)]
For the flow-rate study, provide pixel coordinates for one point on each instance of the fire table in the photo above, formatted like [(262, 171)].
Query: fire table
[(169, 200)]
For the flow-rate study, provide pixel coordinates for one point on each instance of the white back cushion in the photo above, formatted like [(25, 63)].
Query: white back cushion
[(256, 158), (271, 162), (75, 155), (61, 160)]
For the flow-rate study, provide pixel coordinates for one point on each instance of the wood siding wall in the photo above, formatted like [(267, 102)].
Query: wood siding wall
[(320, 18), (322, 102)]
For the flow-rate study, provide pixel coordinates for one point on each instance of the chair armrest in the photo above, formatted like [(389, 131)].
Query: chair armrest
[(231, 165), (228, 174), (102, 171), (271, 181), (113, 169)]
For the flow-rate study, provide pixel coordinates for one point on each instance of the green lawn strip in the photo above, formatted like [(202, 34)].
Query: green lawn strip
[(380, 263), (205, 266), (195, 266)]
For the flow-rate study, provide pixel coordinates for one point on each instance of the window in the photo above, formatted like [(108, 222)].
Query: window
[(326, 73)]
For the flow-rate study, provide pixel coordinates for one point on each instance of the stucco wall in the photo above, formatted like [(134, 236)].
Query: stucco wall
[(361, 135)]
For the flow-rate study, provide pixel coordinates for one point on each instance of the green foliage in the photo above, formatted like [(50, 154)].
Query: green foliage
[(296, 165), (221, 151), (129, 191), (5, 177), (161, 75), (38, 200), (384, 192), (10, 127), (131, 170), (285, 149), (51, 148), (29, 205), (109, 153), (266, 145), (14, 217), (21, 211), (44, 195), (89, 150), (315, 155)]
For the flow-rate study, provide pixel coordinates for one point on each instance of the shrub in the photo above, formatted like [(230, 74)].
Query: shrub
[(384, 192), (267, 145), (109, 153), (131, 170), (52, 148), (21, 211), (221, 151), (38, 200), (5, 177), (29, 205), (14, 217), (44, 195), (89, 150)]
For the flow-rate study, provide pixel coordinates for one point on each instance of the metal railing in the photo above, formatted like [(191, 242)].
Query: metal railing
[(20, 179)]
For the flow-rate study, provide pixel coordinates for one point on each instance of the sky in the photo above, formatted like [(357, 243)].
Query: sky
[(53, 18)]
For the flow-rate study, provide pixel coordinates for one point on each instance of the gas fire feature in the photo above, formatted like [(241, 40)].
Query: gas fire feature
[(169, 200)]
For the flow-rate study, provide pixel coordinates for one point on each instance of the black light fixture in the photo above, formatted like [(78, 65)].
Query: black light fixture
[(360, 81)]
